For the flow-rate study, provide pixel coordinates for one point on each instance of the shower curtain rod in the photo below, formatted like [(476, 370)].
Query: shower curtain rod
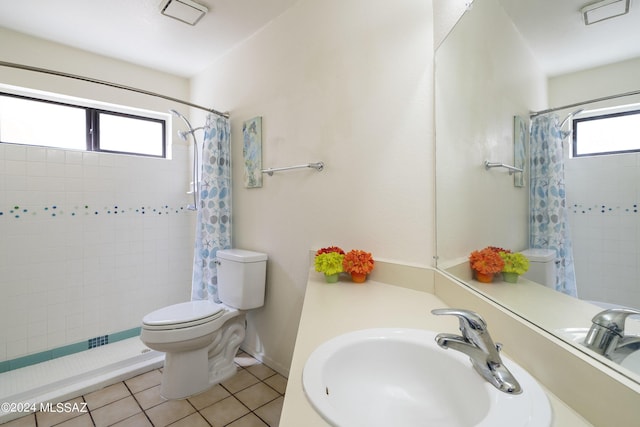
[(578, 104), (111, 84)]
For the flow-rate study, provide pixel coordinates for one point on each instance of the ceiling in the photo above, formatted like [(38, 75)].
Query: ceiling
[(562, 43), (136, 31)]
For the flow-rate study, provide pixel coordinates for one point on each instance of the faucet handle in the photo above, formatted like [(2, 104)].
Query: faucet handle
[(469, 320), (614, 319)]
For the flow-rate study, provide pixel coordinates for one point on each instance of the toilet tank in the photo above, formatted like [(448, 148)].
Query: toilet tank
[(542, 266), (241, 278)]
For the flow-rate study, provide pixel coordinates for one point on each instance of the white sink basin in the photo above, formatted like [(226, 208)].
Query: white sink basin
[(401, 377)]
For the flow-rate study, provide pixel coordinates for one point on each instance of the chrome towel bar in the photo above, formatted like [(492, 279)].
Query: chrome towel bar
[(317, 166), (512, 169)]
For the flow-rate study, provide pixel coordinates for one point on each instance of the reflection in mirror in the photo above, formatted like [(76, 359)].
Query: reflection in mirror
[(509, 58)]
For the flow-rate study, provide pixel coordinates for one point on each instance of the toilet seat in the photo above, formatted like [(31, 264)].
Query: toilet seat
[(183, 315)]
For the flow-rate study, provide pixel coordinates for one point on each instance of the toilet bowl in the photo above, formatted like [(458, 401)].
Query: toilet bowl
[(201, 338), (204, 338)]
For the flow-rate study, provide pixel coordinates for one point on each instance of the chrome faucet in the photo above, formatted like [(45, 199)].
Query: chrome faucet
[(607, 331), (476, 343)]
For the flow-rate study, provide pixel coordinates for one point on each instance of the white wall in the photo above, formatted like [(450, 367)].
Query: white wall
[(98, 240), (446, 14), (349, 83), (485, 75), (603, 193)]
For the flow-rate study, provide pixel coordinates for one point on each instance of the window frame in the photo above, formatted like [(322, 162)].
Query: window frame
[(599, 115), (93, 109)]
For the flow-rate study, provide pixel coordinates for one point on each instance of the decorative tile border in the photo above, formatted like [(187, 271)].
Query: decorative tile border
[(43, 356), (18, 212), (603, 209)]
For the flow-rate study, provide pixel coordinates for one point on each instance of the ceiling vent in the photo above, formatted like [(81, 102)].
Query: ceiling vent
[(186, 11), (604, 9)]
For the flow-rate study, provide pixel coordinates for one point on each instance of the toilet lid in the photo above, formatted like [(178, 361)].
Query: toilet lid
[(184, 314)]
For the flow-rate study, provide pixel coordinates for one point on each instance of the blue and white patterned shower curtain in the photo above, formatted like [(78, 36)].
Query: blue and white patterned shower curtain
[(213, 227), (549, 228)]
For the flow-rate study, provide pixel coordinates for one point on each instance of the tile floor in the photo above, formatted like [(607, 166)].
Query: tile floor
[(252, 398)]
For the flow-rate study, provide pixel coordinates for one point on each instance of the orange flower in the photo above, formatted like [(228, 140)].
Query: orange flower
[(357, 261), (486, 261)]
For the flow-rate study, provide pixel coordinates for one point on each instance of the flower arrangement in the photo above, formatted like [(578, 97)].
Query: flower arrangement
[(514, 263), (358, 263), (486, 262), (329, 261)]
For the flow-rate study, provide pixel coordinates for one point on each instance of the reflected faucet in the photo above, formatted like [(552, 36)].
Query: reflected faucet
[(606, 335), (476, 343)]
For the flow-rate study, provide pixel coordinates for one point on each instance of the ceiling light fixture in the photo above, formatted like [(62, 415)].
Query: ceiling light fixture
[(604, 9), (186, 11)]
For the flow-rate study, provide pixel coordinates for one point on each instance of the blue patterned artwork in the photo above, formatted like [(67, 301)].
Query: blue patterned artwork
[(252, 152)]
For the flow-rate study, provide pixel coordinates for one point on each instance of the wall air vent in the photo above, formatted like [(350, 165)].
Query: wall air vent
[(186, 11)]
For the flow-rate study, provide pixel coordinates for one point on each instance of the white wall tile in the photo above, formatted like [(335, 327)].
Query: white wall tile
[(77, 270), (15, 152)]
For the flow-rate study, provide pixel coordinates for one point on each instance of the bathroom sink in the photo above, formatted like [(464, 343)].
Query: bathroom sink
[(401, 377), (627, 357)]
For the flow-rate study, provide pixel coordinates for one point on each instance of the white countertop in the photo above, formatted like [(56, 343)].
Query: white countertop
[(333, 309)]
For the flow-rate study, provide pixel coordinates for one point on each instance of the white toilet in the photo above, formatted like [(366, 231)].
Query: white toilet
[(542, 266), (201, 338)]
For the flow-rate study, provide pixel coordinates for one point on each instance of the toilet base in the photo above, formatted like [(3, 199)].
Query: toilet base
[(191, 372)]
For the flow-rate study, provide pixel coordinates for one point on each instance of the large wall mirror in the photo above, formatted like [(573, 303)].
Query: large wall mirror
[(507, 58)]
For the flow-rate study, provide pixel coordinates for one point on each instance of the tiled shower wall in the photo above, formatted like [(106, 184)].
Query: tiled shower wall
[(603, 194), (89, 243)]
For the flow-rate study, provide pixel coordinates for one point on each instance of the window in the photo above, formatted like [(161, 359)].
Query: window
[(120, 133), (609, 133), (45, 121)]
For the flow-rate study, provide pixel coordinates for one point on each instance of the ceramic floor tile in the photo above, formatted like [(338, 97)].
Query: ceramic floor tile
[(261, 371), (149, 398), (136, 402), (257, 395), (46, 419), (169, 412), (26, 421), (115, 411), (144, 381), (81, 421), (249, 420), (106, 395), (277, 382), (224, 412), (240, 381), (137, 420), (270, 413), (193, 420), (209, 397)]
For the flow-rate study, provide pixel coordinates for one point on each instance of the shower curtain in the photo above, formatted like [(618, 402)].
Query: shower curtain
[(548, 221), (213, 224)]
